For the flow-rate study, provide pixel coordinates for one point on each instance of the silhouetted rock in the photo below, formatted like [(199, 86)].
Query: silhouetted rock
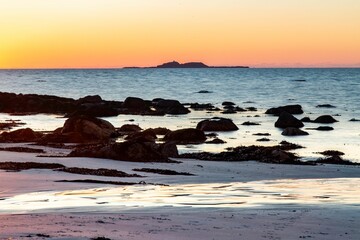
[(227, 103), (262, 134), (20, 135), (90, 99), (204, 91), (286, 120), (160, 130), (291, 131), (354, 120), (324, 128), (81, 129), (145, 136), (126, 128), (305, 119), (216, 141), (335, 160), (185, 136), (125, 151), (292, 109), (325, 119), (332, 153), (168, 106), (217, 125), (263, 140), (250, 123), (272, 154), (325, 106), (161, 171), (135, 104)]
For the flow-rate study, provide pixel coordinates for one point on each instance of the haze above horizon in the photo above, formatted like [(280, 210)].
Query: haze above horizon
[(120, 33)]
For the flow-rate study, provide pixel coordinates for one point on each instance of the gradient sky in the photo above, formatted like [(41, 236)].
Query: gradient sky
[(116, 33)]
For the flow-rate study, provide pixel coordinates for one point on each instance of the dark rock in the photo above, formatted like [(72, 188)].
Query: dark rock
[(205, 106), (19, 166), (306, 119), (81, 129), (136, 104), (22, 149), (145, 136), (290, 131), (263, 140), (239, 109), (33, 103), (262, 134), (325, 106), (354, 120), (160, 130), (169, 149), (20, 135), (229, 111), (90, 99), (97, 172), (292, 109), (335, 160), (251, 109), (289, 146), (162, 171), (332, 153), (125, 151), (204, 91), (98, 182), (227, 103), (217, 124), (250, 123), (325, 119), (324, 128), (185, 136), (272, 154), (126, 128), (287, 120), (171, 107), (216, 141)]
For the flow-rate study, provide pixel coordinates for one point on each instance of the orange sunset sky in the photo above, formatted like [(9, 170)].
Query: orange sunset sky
[(117, 33)]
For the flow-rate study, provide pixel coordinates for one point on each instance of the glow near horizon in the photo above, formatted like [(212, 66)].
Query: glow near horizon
[(116, 33)]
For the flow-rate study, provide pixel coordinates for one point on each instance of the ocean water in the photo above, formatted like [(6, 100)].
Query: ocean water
[(260, 88)]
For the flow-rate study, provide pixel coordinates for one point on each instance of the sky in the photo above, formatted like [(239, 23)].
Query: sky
[(118, 33)]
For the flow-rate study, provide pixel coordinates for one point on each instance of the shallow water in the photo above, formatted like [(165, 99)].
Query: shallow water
[(264, 87), (275, 193)]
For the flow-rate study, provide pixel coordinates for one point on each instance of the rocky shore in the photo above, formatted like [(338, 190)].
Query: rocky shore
[(98, 138)]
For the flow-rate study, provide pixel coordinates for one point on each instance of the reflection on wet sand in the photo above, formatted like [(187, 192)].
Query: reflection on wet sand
[(337, 191)]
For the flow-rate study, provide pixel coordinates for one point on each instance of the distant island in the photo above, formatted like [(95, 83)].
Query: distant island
[(175, 64)]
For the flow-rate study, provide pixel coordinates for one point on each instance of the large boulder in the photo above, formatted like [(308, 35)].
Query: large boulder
[(185, 136), (126, 128), (291, 131), (286, 120), (126, 151), (292, 109), (135, 103), (325, 119), (20, 135), (217, 124), (168, 106), (82, 129)]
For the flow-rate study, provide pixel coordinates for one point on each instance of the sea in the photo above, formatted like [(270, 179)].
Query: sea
[(250, 87)]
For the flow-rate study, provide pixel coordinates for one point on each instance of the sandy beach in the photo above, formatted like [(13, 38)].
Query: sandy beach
[(223, 200)]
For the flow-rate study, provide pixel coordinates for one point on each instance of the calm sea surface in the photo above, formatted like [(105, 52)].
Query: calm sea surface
[(264, 88)]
